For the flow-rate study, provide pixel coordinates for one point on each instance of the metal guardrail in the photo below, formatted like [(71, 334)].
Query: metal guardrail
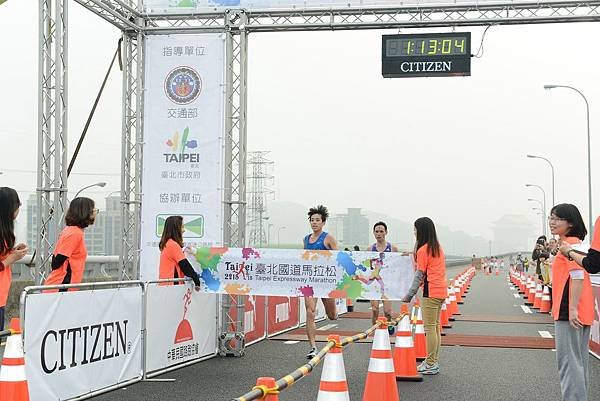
[(259, 392)]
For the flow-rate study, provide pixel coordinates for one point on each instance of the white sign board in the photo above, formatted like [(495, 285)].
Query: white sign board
[(81, 341), (195, 6), (183, 141), (181, 325)]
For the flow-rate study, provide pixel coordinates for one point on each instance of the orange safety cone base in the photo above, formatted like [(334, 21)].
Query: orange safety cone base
[(416, 378)]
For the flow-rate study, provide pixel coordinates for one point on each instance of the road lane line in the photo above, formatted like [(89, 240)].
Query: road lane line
[(526, 309), (291, 342), (545, 334), (516, 296), (327, 326)]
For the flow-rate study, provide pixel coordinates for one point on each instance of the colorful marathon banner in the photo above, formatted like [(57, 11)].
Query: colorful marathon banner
[(297, 272)]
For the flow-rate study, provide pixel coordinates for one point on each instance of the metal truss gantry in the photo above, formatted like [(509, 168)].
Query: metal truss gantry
[(52, 130), (236, 25)]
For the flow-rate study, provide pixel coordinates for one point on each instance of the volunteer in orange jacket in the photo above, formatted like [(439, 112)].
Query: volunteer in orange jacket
[(431, 271), (70, 253), (573, 308), (173, 263), (9, 253), (591, 261)]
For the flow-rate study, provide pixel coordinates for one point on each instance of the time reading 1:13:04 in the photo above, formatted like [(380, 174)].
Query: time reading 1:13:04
[(426, 47)]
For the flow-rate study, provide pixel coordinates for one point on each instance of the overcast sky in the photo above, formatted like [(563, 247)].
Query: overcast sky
[(340, 134)]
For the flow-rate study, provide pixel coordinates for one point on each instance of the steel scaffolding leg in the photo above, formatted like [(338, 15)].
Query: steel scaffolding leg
[(131, 154), (231, 339), (52, 130)]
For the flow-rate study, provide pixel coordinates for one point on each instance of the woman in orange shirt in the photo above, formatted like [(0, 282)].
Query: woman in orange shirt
[(572, 306), (431, 272), (9, 253), (70, 253), (173, 263)]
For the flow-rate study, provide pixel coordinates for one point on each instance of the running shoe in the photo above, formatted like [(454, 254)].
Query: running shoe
[(428, 369), (312, 353)]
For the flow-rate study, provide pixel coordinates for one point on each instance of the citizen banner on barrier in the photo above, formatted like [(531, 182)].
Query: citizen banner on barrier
[(78, 342), (296, 272)]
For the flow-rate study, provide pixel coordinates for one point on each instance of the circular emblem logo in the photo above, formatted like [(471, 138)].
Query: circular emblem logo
[(183, 85)]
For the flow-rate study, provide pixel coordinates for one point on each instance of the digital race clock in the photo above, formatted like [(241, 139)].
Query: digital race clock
[(426, 55)]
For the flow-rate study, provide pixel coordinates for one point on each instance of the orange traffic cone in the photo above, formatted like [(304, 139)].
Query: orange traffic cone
[(267, 383), (13, 383), (546, 304), (457, 293), (381, 380), (333, 385), (420, 341), (444, 320), (537, 300), (405, 358), (497, 271), (530, 293)]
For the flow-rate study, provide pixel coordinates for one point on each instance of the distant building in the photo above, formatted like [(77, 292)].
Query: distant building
[(102, 238), (355, 228)]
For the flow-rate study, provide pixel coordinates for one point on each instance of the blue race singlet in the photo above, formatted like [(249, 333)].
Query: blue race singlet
[(318, 245), (388, 247)]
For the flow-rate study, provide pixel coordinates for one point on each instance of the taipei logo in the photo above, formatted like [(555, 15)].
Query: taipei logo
[(179, 145), (183, 85)]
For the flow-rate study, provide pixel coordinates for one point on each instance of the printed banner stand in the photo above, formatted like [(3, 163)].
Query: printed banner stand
[(183, 141), (181, 325)]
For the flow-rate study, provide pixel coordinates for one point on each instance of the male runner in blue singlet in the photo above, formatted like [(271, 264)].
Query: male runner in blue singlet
[(318, 240), (379, 232)]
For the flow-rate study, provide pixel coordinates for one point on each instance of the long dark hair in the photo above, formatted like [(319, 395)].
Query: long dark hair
[(571, 214), (80, 212), (172, 231), (426, 236), (9, 203)]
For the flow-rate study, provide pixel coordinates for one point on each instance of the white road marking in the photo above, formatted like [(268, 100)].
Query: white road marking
[(545, 334), (327, 326), (526, 309), (516, 296), (291, 342)]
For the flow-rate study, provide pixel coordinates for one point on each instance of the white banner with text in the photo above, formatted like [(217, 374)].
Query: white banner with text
[(78, 342), (183, 141), (181, 325)]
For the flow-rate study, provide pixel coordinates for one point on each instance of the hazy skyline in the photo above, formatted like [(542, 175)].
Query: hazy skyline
[(340, 134)]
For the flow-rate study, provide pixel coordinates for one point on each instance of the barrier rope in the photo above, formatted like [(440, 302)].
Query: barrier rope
[(260, 392)]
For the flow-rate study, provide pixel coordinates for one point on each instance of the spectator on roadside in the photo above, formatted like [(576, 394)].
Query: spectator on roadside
[(356, 248), (431, 272), (573, 305), (173, 263), (540, 254), (590, 261), (519, 262), (526, 264), (70, 253), (9, 252)]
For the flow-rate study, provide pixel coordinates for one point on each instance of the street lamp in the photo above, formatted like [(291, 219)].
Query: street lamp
[(551, 167), (543, 210), (98, 184), (278, 232), (589, 151), (541, 213), (543, 193)]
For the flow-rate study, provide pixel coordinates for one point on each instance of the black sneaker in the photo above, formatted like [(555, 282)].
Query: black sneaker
[(312, 353)]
